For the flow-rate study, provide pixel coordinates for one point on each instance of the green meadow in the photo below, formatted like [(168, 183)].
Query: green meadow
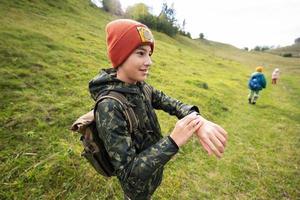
[(49, 50)]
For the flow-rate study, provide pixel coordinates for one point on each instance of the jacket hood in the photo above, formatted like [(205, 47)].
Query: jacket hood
[(107, 81)]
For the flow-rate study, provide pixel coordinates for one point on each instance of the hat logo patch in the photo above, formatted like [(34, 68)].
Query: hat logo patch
[(145, 34)]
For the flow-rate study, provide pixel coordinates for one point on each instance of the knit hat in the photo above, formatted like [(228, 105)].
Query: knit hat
[(259, 69), (123, 36)]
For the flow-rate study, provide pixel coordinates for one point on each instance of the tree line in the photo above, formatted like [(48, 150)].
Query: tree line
[(165, 22)]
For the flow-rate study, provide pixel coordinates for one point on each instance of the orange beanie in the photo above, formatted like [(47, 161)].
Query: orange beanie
[(123, 36)]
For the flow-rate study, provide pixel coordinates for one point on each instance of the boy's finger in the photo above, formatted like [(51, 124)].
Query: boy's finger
[(196, 124), (187, 119), (213, 148), (193, 126), (222, 131), (221, 138), (218, 144), (205, 146)]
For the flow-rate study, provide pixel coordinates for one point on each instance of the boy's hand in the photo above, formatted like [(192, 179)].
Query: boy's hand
[(185, 128), (212, 137)]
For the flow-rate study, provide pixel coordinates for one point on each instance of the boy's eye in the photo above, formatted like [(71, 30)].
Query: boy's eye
[(141, 53)]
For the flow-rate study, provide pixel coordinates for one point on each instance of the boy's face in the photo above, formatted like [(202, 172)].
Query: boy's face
[(136, 66)]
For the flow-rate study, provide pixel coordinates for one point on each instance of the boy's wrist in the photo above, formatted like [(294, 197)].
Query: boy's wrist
[(172, 140), (175, 139)]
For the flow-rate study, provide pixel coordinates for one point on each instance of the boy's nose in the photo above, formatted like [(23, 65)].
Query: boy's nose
[(148, 62)]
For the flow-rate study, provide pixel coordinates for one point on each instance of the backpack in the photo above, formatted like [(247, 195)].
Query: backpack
[(94, 150), (254, 83)]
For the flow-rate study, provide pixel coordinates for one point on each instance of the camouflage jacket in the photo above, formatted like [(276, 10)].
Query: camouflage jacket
[(138, 158)]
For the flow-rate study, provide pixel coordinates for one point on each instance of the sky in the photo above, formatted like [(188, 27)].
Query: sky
[(242, 23)]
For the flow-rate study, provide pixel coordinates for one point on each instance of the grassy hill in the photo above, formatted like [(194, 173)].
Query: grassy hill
[(294, 50), (49, 50)]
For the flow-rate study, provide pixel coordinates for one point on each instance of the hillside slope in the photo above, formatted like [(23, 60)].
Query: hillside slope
[(294, 50), (49, 50)]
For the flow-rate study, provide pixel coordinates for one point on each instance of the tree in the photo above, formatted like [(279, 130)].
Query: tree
[(169, 13), (112, 6), (137, 10), (262, 48), (297, 41), (188, 34), (183, 25), (265, 48), (257, 48), (140, 12), (201, 36), (166, 20)]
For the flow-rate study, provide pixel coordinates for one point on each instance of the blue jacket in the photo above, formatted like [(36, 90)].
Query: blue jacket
[(257, 81)]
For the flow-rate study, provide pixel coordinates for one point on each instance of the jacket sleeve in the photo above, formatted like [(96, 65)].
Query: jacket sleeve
[(131, 168), (160, 101)]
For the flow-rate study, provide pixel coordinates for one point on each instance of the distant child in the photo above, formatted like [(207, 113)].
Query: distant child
[(275, 76), (256, 83), (139, 157)]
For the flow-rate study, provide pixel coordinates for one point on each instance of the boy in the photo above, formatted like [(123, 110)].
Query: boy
[(139, 158), (256, 83)]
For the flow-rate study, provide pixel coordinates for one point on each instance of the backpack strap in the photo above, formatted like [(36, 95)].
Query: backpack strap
[(148, 92), (129, 113)]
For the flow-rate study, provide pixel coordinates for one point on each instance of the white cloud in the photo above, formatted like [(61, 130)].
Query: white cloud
[(98, 3)]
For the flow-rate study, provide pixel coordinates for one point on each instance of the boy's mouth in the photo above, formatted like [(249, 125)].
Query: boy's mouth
[(144, 71)]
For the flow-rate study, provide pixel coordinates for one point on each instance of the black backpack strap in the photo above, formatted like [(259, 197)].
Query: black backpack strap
[(129, 113), (148, 92)]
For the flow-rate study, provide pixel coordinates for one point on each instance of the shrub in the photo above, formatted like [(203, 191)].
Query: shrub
[(287, 55)]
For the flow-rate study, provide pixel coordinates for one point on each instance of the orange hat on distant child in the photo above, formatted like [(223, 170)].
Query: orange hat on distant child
[(259, 69), (123, 36)]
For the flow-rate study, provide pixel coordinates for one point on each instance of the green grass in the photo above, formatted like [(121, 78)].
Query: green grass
[(49, 50)]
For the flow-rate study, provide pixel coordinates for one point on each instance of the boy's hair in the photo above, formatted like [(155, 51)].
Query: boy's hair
[(123, 36)]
